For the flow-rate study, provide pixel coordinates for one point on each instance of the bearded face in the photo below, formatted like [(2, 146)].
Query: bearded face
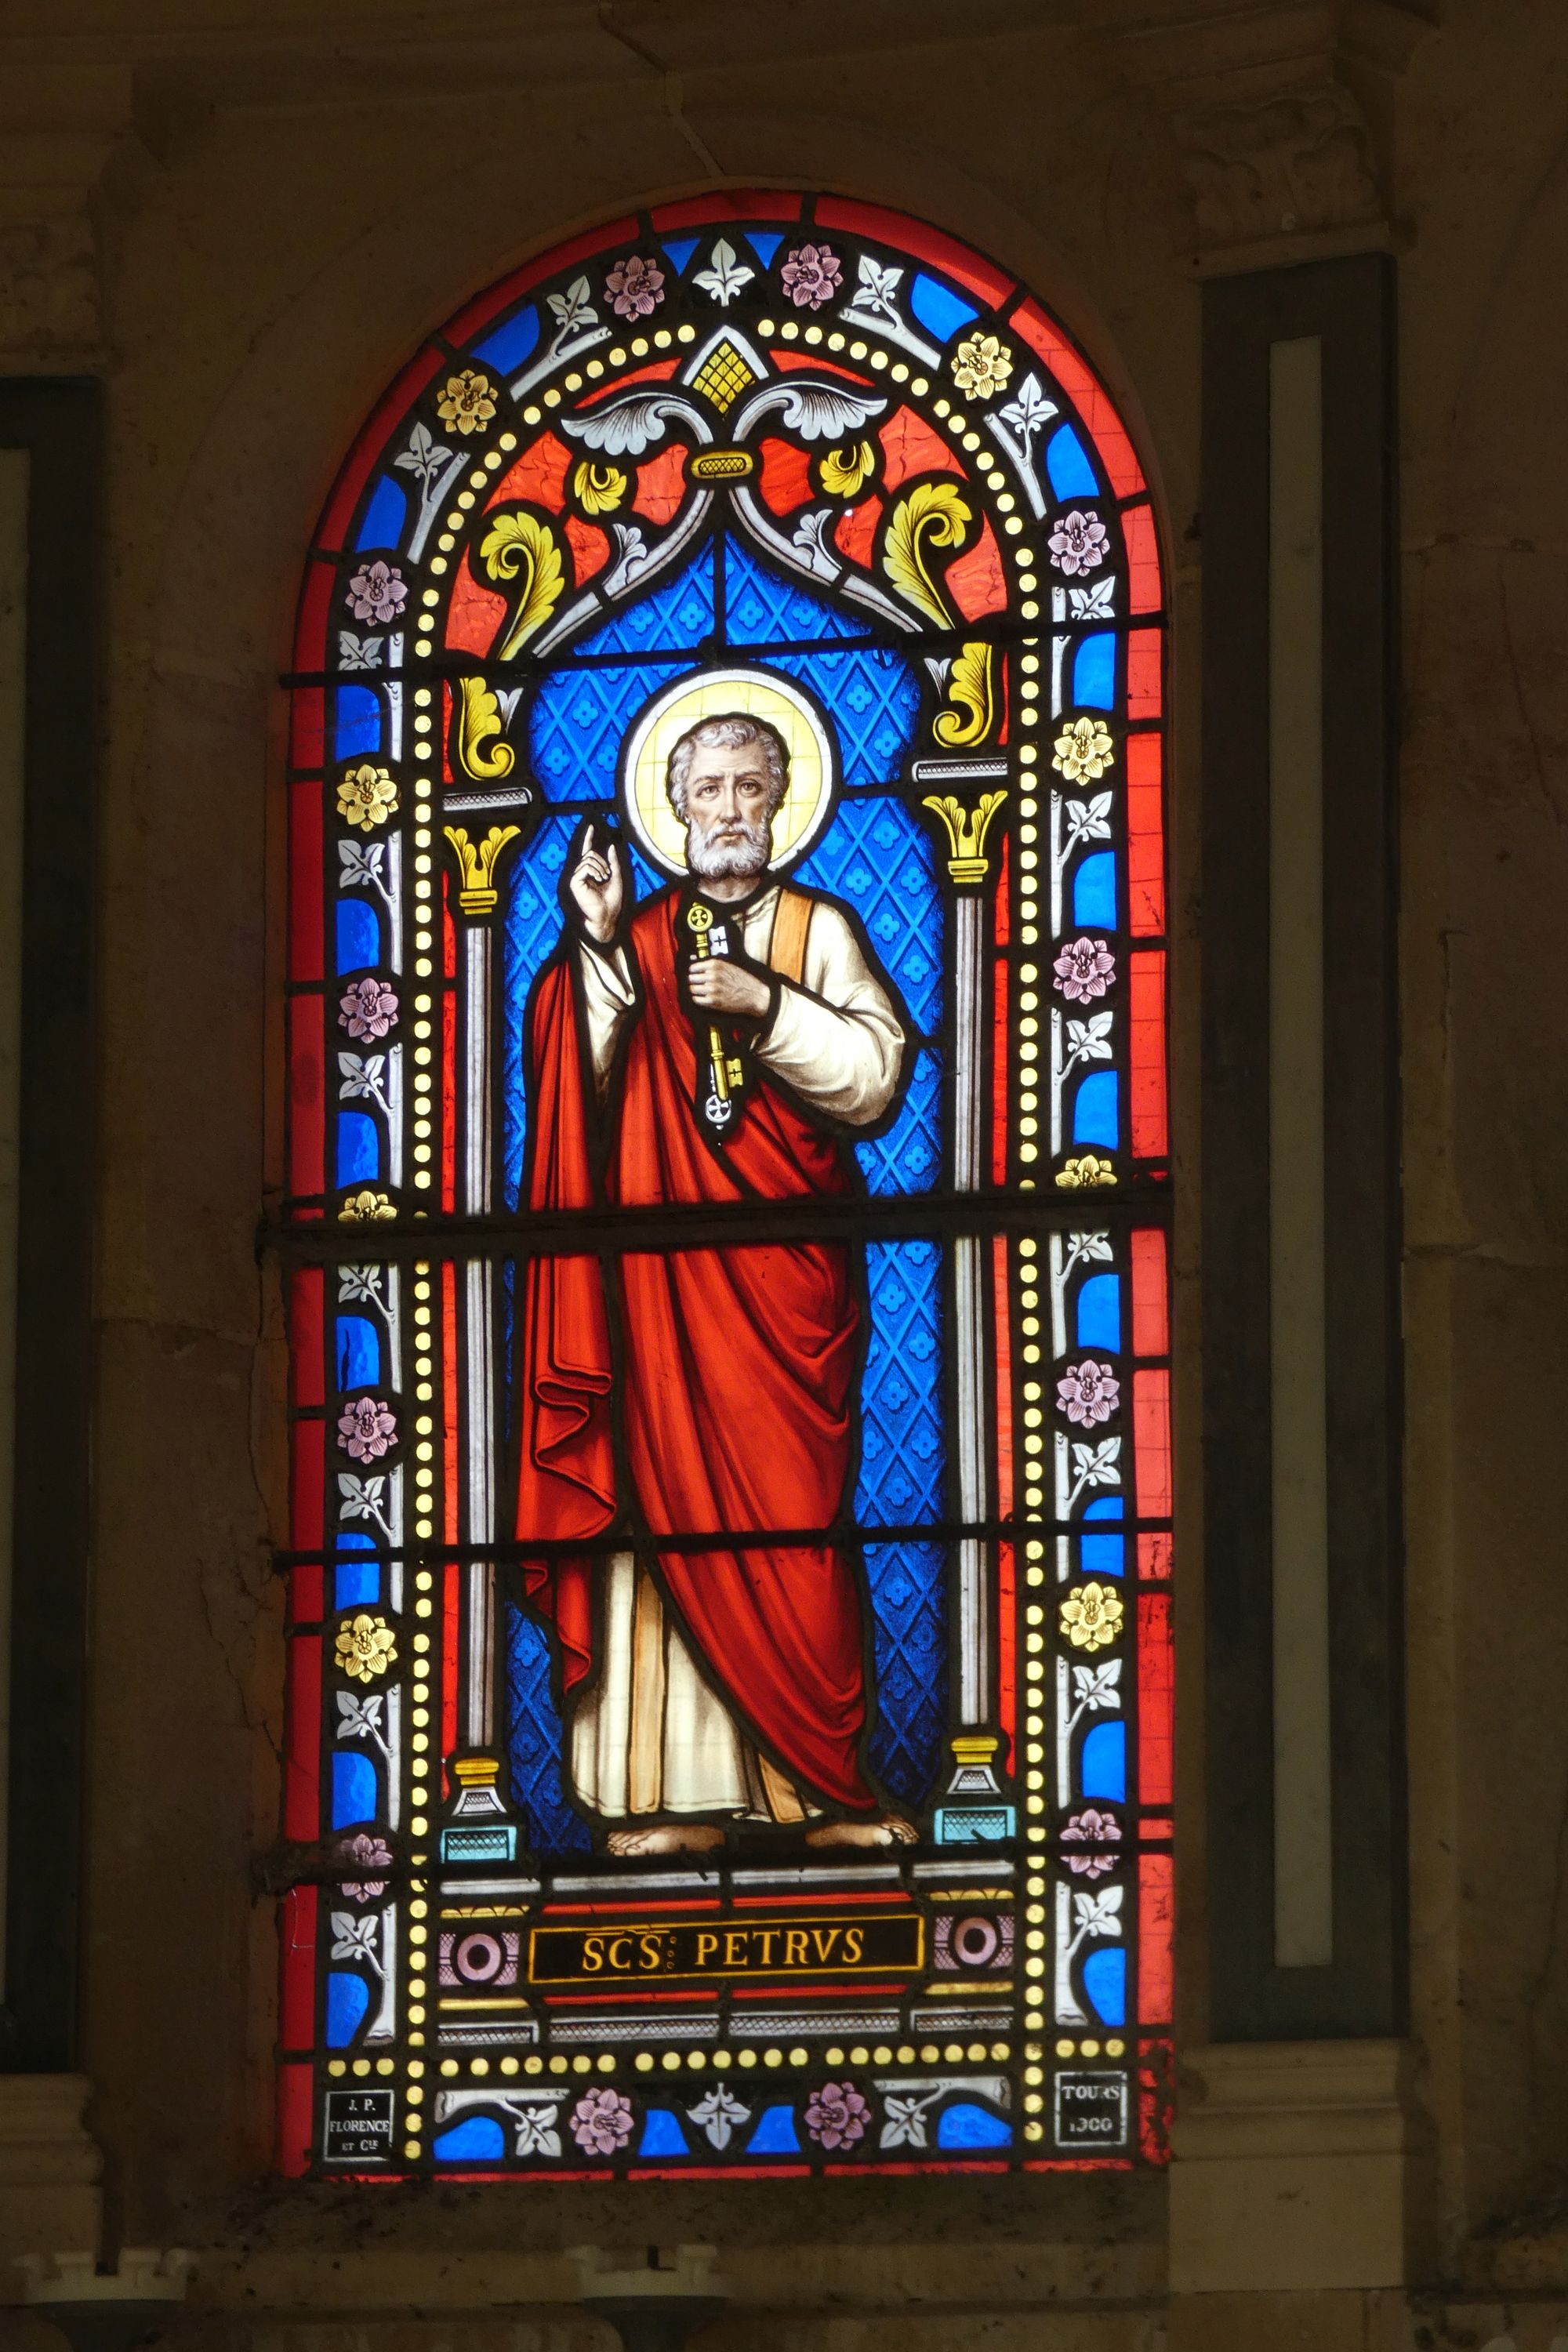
[(730, 800), (731, 849)]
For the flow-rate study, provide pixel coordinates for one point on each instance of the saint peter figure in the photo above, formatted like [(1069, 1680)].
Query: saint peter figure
[(720, 1043)]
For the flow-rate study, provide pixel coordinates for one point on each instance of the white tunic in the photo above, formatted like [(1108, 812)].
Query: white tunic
[(653, 1737)]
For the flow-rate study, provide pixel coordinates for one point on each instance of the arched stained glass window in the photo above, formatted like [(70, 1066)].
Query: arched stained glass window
[(727, 1232)]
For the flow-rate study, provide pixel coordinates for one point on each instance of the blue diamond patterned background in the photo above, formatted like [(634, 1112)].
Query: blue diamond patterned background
[(873, 701), (677, 616), (533, 1742), (902, 1461), (579, 721), (902, 1451), (875, 855), (532, 928), (908, 1157), (762, 607), (906, 1581)]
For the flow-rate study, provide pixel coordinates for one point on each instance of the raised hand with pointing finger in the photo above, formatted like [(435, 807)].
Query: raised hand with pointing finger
[(599, 887)]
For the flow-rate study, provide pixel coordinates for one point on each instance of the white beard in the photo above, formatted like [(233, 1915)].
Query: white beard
[(742, 853)]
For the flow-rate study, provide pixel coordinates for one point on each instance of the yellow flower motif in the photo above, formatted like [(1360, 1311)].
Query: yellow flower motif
[(466, 405), (598, 489), (366, 795), (1083, 748), (981, 367), (366, 1646), (1090, 1616), (1075, 1175), (364, 1207)]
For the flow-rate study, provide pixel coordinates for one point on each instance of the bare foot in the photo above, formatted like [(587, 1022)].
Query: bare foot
[(669, 1837), (890, 1830)]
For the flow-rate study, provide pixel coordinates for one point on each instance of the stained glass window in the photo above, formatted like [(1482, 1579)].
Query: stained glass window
[(729, 1688)]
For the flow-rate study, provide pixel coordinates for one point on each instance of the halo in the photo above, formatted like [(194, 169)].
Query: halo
[(715, 694)]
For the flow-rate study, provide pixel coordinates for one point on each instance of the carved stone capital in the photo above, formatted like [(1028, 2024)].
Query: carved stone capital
[(1299, 161), (1281, 115)]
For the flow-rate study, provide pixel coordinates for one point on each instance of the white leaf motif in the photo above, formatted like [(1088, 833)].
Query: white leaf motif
[(1095, 603), (725, 274), (905, 2121), (358, 1718), (1096, 1465), (811, 537), (362, 1496), (1094, 1688), (631, 425), (572, 308), (816, 411), (536, 2131), (1094, 1247), (360, 1285), (633, 555), (1028, 410), (358, 653), (1090, 1040), (1088, 820), (360, 866), (1098, 1914), (361, 1078), (354, 1938), (423, 457), (877, 288), (718, 2114)]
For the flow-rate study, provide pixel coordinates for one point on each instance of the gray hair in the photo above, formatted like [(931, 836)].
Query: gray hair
[(731, 732)]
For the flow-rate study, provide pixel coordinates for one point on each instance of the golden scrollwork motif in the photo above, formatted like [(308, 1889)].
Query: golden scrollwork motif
[(845, 471), (932, 516), (477, 892), (598, 489), (479, 719), (969, 686), (519, 546)]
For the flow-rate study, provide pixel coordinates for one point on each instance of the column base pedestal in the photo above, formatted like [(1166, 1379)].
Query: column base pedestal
[(1291, 2170), (49, 2170)]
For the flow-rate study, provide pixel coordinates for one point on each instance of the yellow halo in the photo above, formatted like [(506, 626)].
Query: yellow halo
[(717, 694)]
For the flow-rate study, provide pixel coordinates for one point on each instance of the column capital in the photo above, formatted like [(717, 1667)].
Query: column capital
[(1281, 115)]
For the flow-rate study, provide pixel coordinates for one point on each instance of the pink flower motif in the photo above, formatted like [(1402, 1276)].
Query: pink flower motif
[(376, 592), (837, 2115), (635, 288), (602, 2122), (1084, 968), (1077, 542), (369, 1009), (368, 1429), (1091, 1828), (812, 276), (1087, 1392), (370, 1854)]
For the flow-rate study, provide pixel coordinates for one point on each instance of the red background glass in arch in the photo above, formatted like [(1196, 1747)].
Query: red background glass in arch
[(730, 1711)]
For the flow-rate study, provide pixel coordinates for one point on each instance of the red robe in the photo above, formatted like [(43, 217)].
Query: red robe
[(738, 1370)]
